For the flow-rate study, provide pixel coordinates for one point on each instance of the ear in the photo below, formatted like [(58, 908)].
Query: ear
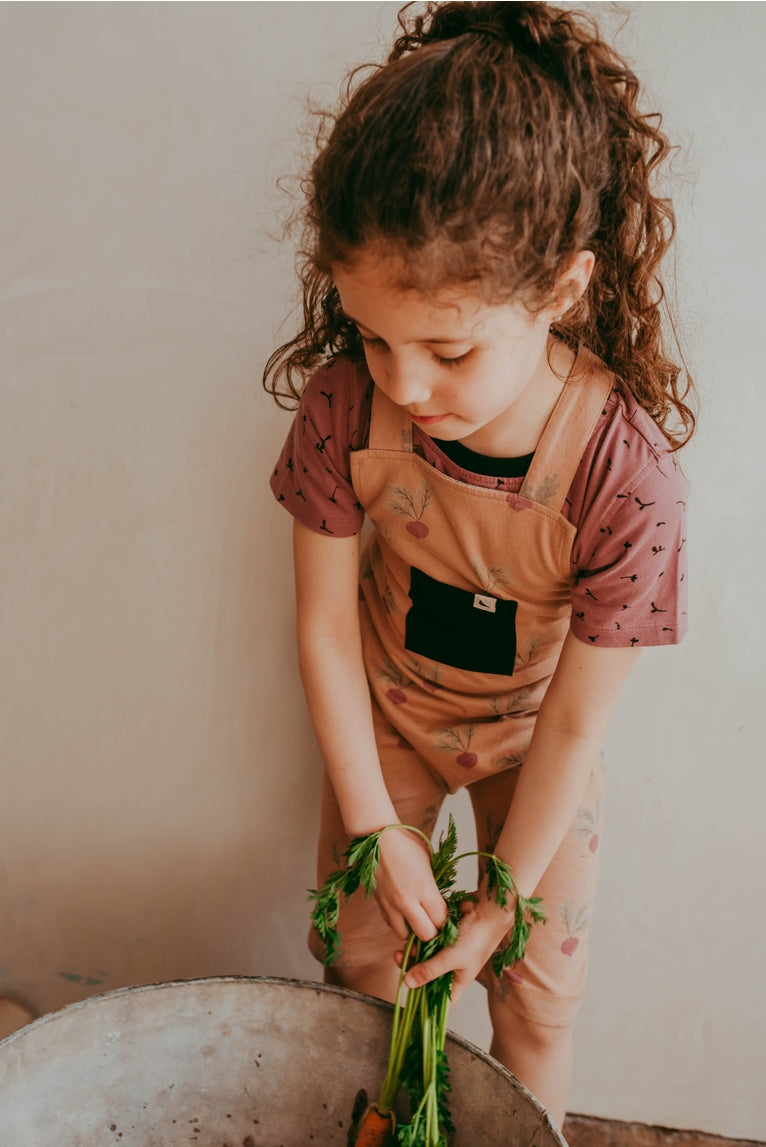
[(572, 282)]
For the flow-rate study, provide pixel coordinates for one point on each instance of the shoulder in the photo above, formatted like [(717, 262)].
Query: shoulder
[(338, 398), (312, 478), (628, 502), (627, 453)]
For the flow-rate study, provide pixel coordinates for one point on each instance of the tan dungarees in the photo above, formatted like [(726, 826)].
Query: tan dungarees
[(465, 605)]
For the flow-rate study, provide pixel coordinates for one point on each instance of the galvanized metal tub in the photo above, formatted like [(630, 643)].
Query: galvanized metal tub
[(231, 1062)]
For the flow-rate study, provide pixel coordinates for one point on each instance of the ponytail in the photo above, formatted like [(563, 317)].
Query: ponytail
[(498, 141)]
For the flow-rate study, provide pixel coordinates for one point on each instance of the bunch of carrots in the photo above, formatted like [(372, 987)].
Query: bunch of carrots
[(417, 1060)]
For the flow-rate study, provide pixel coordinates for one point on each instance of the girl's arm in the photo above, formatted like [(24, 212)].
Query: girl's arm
[(338, 697), (568, 733)]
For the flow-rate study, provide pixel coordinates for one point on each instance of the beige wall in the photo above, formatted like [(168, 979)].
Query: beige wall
[(159, 779)]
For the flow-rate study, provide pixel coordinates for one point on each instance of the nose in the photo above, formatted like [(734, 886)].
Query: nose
[(406, 385)]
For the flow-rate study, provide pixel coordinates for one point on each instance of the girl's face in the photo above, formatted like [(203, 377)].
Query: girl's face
[(463, 369)]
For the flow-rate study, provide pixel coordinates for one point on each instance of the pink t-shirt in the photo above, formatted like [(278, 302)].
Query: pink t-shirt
[(627, 501)]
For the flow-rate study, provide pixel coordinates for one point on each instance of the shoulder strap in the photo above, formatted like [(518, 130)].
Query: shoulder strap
[(390, 426), (567, 432)]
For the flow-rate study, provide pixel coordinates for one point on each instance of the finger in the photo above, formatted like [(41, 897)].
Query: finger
[(399, 958), (422, 924), (436, 909), (429, 970), (400, 928), (460, 979), (396, 923), (459, 985)]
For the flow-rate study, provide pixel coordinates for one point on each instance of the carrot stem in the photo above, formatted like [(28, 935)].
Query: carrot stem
[(400, 1035), (409, 828)]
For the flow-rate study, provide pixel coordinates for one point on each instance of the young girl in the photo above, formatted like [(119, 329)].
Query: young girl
[(481, 300)]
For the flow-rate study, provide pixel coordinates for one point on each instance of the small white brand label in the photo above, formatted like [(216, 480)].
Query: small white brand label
[(481, 601)]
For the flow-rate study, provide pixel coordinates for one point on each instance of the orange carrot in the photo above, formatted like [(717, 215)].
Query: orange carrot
[(376, 1128)]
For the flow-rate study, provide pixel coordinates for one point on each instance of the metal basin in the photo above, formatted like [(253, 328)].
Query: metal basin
[(231, 1062)]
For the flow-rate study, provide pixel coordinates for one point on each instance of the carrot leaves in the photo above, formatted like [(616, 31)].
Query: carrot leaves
[(417, 1059), (501, 884)]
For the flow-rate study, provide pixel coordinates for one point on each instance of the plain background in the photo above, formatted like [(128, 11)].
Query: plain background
[(159, 777)]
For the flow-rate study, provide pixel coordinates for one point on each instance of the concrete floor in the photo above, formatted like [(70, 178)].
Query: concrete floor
[(588, 1131)]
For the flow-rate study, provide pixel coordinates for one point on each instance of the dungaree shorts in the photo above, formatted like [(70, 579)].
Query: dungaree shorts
[(547, 986)]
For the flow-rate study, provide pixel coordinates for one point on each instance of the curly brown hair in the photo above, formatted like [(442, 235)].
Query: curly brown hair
[(498, 140)]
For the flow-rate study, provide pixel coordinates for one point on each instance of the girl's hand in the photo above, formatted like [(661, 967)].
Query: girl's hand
[(406, 891), (482, 930)]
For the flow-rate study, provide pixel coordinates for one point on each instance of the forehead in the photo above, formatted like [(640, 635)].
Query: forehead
[(375, 294), (381, 306)]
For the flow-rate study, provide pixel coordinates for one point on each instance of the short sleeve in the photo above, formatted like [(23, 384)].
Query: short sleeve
[(629, 557), (312, 476)]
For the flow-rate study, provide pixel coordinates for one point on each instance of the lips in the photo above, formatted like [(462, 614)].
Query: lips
[(427, 419)]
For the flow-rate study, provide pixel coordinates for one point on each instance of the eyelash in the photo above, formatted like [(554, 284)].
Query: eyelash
[(449, 363)]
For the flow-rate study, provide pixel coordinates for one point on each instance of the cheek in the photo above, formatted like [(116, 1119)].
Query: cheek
[(374, 360), (486, 389)]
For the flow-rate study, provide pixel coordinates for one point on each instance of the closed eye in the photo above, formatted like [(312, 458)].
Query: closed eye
[(448, 363)]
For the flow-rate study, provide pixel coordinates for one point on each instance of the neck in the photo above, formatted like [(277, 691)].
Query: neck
[(519, 430)]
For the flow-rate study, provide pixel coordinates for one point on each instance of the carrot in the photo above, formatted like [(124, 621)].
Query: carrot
[(376, 1128)]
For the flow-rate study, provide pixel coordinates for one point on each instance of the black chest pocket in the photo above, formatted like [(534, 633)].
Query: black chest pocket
[(473, 631)]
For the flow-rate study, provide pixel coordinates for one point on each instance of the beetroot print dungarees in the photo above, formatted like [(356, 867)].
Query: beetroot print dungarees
[(464, 606)]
